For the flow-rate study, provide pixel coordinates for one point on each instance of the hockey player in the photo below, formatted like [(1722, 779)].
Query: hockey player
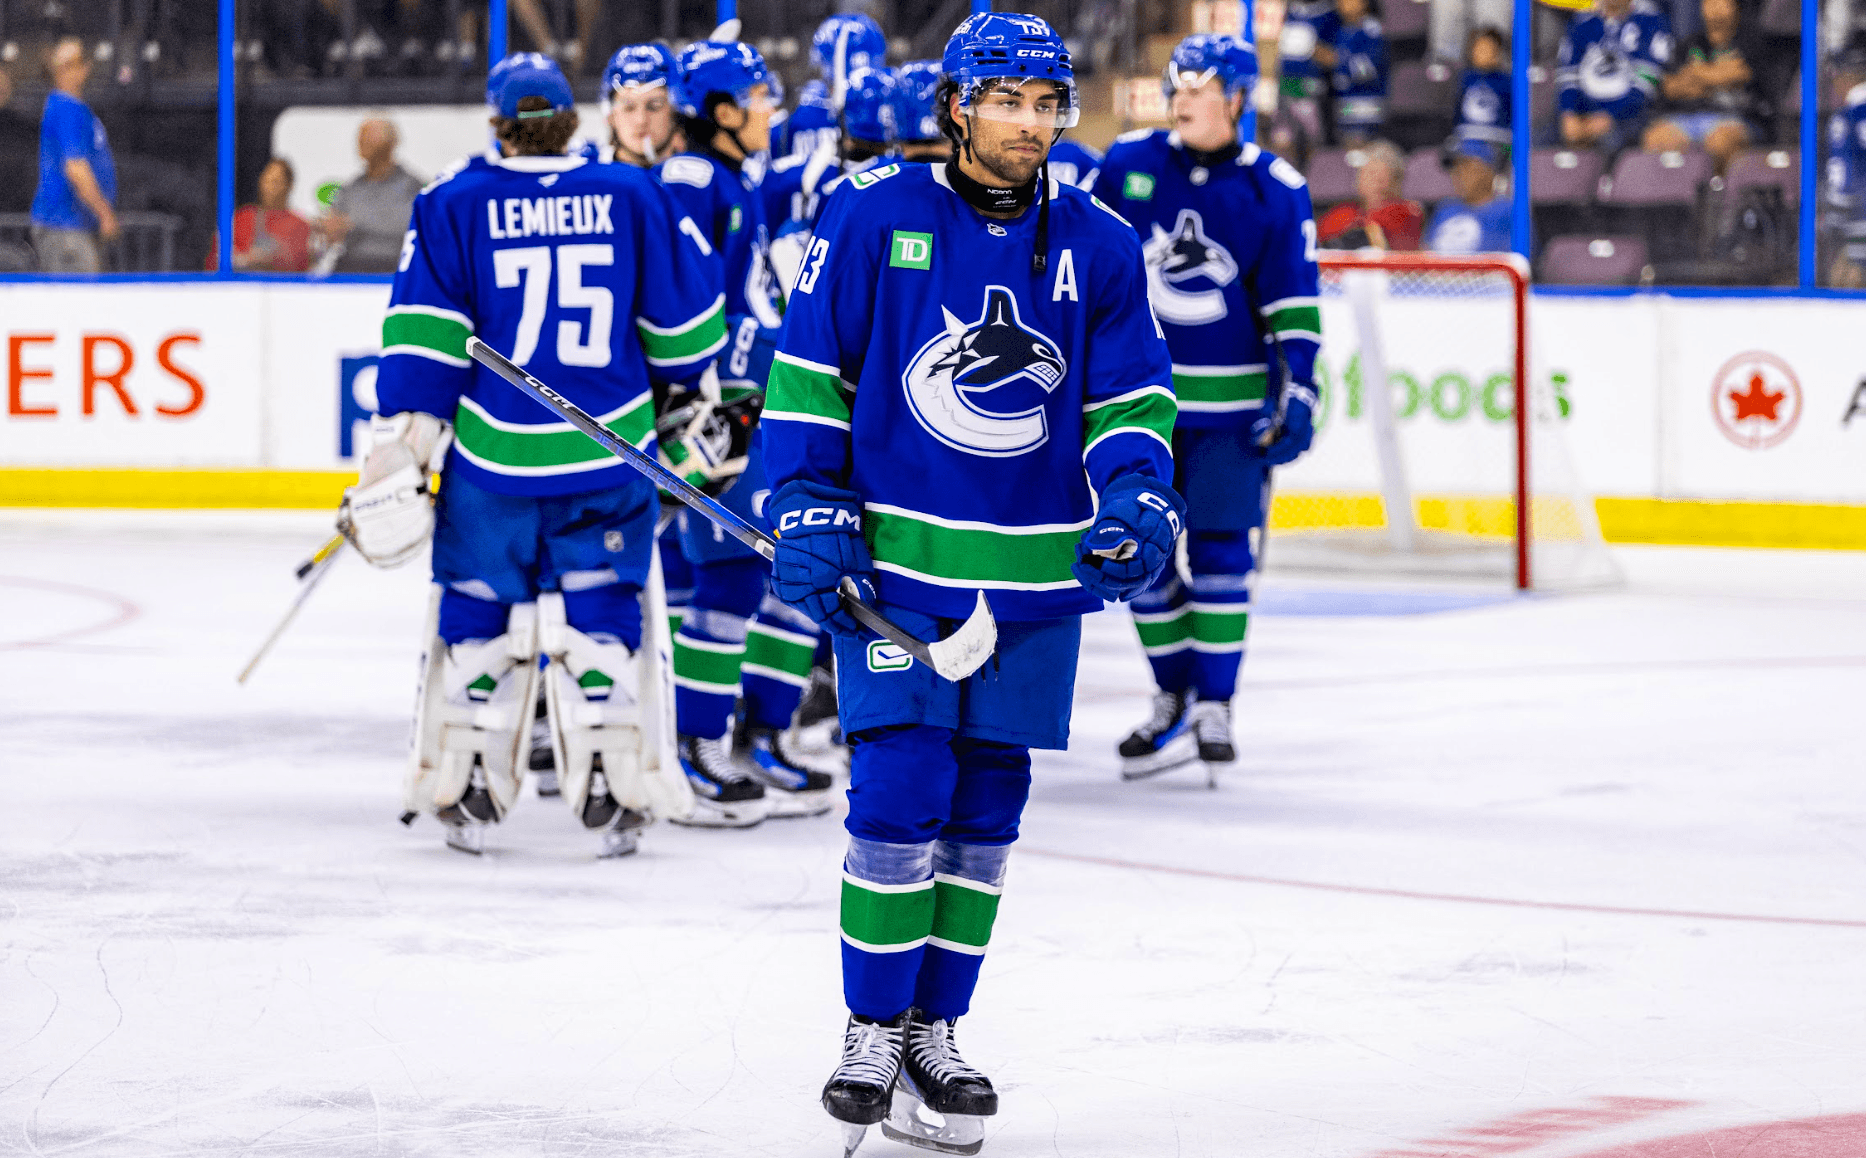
[(541, 542), (971, 394), (725, 96), (916, 121), (1230, 247), (848, 41), (639, 106)]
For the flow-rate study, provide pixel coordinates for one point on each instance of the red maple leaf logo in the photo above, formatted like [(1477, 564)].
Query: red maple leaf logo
[(1757, 401)]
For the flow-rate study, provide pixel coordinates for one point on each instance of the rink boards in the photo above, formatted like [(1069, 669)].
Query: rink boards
[(1681, 413)]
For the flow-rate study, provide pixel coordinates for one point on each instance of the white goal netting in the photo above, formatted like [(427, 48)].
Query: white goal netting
[(1439, 474)]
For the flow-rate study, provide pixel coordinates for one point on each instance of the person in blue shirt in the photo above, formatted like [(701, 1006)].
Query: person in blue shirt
[(1484, 91), (1476, 220), (848, 41), (74, 206), (1608, 73), (1846, 189), (1360, 73)]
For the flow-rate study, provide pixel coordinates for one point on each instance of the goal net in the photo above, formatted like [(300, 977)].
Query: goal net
[(1443, 473)]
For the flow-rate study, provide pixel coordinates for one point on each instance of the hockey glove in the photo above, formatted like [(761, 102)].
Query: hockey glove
[(1281, 438), (819, 540), (389, 513), (1132, 539)]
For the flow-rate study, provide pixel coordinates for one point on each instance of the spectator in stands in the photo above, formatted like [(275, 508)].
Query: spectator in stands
[(1360, 74), (74, 206), (1451, 24), (1484, 93), (1382, 218), (19, 142), (1476, 219), (370, 214), (1306, 49), (1846, 191), (1714, 99), (1608, 72), (268, 237)]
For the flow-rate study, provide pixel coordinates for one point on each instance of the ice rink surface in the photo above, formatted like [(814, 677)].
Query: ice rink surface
[(1549, 877)]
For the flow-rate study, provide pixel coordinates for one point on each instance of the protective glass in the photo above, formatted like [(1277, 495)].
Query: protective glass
[(1037, 102)]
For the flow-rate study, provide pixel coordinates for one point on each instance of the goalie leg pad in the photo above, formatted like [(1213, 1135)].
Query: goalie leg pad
[(472, 719)]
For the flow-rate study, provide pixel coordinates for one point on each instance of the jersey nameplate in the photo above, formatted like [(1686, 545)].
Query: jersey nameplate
[(911, 250), (549, 216), (1138, 187)]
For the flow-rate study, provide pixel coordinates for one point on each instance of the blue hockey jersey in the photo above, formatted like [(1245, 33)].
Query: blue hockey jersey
[(586, 275), (1613, 66), (810, 126), (1074, 163), (1484, 106), (1309, 23), (1459, 228), (1360, 76), (726, 205), (976, 406), (1226, 248), (1846, 171)]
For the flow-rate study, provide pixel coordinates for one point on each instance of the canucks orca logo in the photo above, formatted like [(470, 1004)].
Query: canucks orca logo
[(980, 386), (1180, 256)]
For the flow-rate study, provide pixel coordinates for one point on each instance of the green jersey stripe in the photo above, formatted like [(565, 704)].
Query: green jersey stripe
[(1244, 387), (807, 393), (548, 448), (1296, 319), (1152, 410), (974, 555), (421, 331), (702, 337)]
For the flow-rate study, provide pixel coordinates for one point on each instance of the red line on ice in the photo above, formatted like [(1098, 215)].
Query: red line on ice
[(125, 612), (1834, 1136), (1455, 898)]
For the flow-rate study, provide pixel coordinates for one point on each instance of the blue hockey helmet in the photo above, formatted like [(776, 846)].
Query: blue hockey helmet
[(733, 68), (640, 66), (916, 85), (1205, 55), (868, 106), (1013, 47), (864, 45), (524, 74)]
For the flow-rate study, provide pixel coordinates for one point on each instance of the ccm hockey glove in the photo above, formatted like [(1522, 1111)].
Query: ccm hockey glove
[(819, 540), (389, 513), (1282, 438), (1132, 539)]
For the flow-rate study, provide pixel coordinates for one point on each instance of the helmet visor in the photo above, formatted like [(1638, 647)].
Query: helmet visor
[(1038, 102)]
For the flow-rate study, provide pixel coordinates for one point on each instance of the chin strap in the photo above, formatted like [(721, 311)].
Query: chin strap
[(1040, 258)]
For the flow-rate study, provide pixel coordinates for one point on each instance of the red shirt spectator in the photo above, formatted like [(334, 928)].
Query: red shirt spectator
[(1381, 218), (268, 237)]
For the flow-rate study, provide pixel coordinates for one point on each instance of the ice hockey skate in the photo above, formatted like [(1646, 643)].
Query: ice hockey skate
[(1164, 742), (861, 1090), (792, 786), (543, 763), (1209, 721), (940, 1103), (724, 793)]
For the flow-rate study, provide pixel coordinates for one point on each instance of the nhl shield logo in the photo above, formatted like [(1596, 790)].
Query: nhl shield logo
[(1180, 256), (980, 386)]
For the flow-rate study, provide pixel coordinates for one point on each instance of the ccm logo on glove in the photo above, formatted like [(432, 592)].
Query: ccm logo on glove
[(835, 518), (1159, 503)]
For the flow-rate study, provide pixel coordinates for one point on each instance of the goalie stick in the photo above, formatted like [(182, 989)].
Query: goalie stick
[(954, 658), (310, 572)]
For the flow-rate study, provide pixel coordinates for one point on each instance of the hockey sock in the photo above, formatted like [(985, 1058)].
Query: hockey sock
[(887, 916), (610, 613), (463, 617), (1163, 618), (711, 644), (779, 648), (1220, 610), (967, 882), (676, 577)]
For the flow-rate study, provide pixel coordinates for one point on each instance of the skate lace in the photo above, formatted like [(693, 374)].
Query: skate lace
[(870, 1054), (716, 762), (935, 1051), (1211, 720), (1166, 710)]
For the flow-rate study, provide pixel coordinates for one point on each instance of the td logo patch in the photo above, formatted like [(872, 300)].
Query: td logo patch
[(1138, 187), (884, 656), (911, 250)]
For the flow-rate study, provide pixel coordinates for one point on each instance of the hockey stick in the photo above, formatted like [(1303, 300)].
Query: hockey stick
[(955, 657), (311, 572)]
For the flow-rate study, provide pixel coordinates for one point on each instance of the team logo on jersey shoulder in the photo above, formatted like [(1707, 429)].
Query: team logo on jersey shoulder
[(1177, 257), (980, 386), (868, 177), (693, 171)]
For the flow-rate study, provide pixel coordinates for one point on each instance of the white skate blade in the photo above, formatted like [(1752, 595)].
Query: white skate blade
[(852, 1136), (468, 838), (1178, 752), (789, 805), (620, 842), (910, 1121), (737, 814), (547, 782)]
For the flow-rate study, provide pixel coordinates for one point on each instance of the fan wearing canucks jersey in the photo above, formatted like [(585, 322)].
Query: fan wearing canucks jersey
[(971, 395), (733, 638), (587, 275), (1229, 239)]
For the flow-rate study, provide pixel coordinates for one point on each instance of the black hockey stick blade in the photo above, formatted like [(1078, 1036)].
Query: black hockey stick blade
[(954, 658)]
